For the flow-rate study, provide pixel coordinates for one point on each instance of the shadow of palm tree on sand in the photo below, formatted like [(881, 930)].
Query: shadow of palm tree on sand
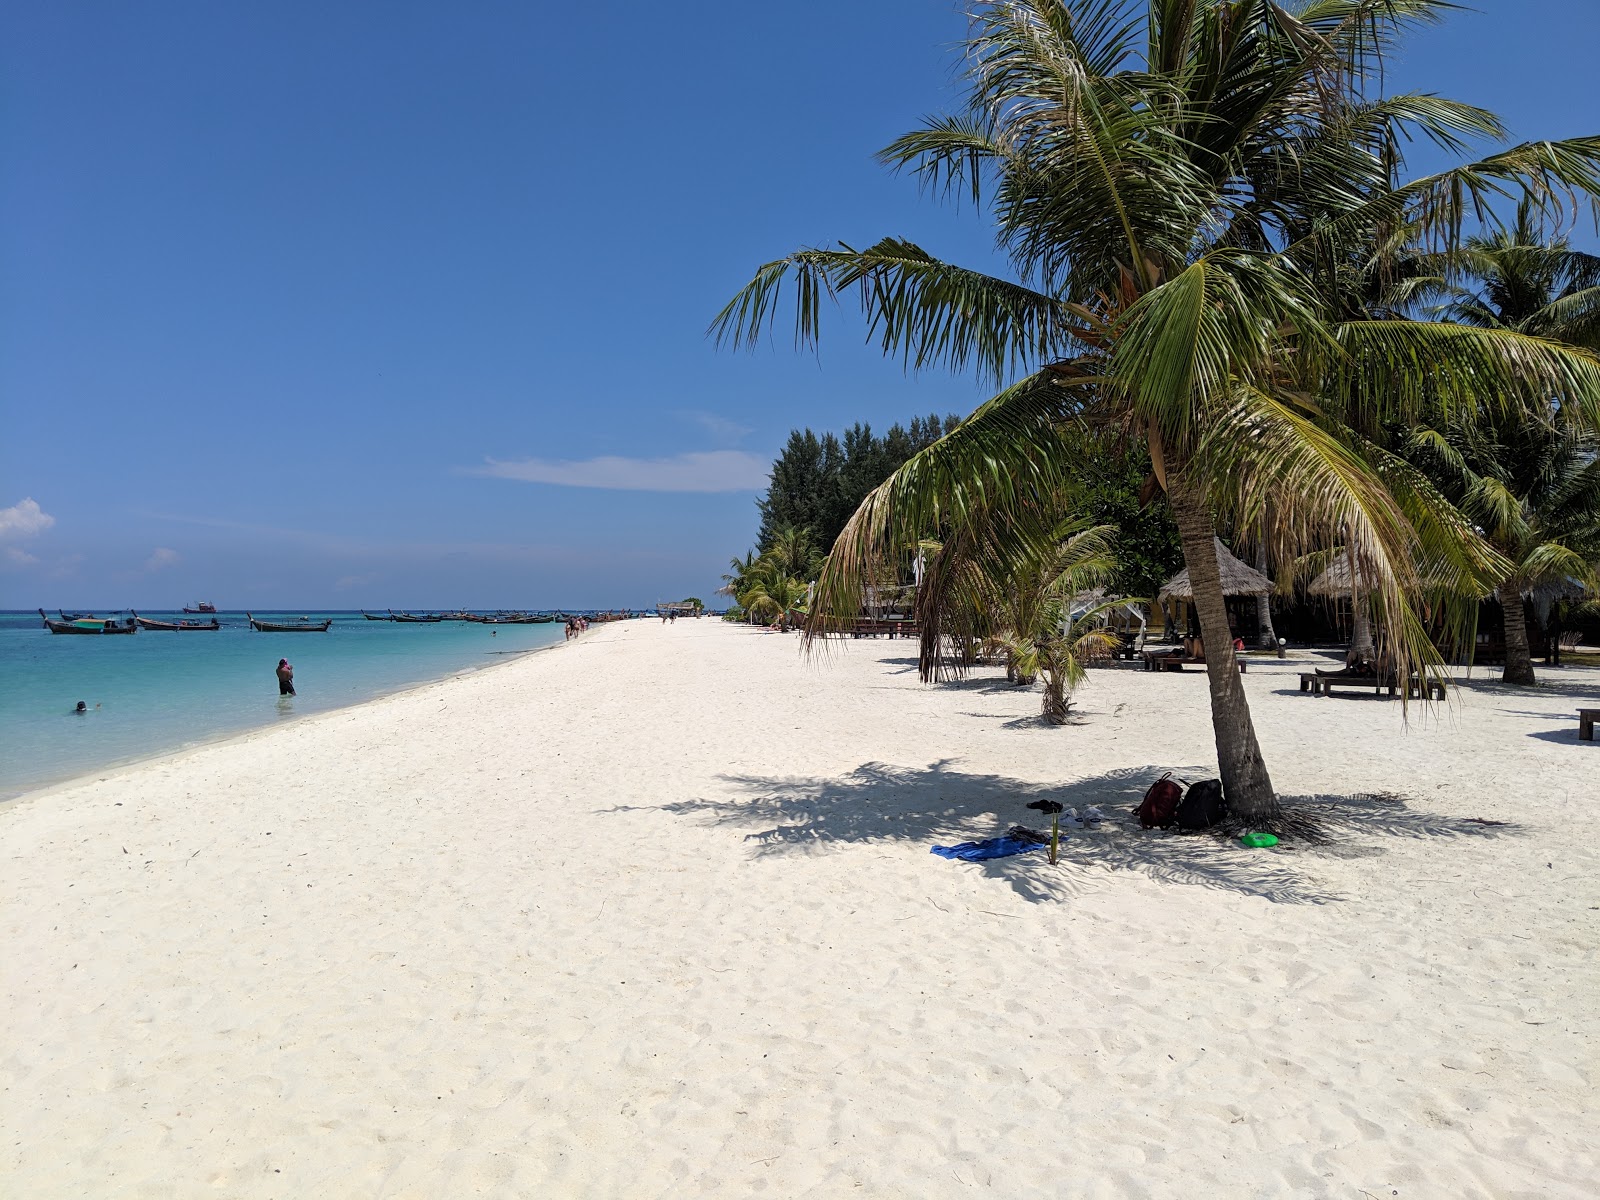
[(941, 804)]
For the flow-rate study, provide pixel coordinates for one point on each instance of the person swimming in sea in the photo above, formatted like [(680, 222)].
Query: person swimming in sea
[(285, 678)]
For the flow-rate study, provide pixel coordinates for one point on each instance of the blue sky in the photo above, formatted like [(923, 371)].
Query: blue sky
[(376, 304)]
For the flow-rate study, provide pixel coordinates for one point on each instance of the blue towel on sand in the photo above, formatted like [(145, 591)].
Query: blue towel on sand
[(998, 847)]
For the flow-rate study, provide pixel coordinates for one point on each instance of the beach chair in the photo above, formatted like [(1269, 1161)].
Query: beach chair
[(1586, 719)]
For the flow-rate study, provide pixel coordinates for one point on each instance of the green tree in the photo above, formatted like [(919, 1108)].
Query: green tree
[(1534, 489), (817, 483), (1185, 189), (1528, 484)]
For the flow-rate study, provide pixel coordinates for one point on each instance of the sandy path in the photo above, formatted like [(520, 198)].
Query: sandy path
[(654, 915)]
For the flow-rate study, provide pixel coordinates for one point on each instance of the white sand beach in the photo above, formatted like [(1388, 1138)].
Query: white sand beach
[(654, 914)]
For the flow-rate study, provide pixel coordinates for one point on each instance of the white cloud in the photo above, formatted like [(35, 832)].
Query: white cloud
[(161, 559), (700, 471), (24, 519), (20, 557)]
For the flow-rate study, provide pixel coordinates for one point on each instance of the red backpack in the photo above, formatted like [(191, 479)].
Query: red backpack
[(1158, 809)]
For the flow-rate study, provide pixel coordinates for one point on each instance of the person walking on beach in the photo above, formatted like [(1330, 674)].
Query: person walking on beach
[(285, 678)]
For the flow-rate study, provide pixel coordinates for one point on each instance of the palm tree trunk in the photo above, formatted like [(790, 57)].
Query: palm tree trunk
[(1266, 636), (1362, 648), (1245, 782), (1519, 661)]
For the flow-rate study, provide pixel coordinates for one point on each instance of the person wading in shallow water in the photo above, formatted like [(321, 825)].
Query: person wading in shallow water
[(285, 678)]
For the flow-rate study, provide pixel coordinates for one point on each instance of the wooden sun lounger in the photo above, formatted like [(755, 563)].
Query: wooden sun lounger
[(1586, 719), (1417, 685)]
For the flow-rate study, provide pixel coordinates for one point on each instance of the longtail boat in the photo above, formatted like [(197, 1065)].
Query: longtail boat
[(88, 625), (202, 607), (370, 617), (177, 626), (303, 625), (413, 620)]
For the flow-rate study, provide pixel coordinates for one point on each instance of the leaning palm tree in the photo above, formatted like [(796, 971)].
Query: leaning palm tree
[(1187, 190)]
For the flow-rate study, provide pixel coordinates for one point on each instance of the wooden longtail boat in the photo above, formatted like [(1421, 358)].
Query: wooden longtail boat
[(201, 607), (177, 626), (408, 618), (370, 617), (88, 625), (303, 625)]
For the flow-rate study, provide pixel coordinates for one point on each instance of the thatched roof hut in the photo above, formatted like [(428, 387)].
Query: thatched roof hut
[(1237, 579), (1335, 581)]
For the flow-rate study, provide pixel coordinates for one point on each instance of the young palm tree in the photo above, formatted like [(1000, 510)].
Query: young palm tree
[(1010, 585), (1184, 188), (774, 594), (739, 575)]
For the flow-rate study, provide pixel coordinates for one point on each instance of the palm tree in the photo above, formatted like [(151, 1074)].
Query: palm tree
[(1186, 190), (1012, 584), (1534, 489), (737, 579), (1525, 483), (775, 594), (1522, 280), (794, 550)]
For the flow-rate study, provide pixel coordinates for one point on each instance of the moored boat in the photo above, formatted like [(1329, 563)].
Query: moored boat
[(92, 625), (177, 626), (412, 619), (370, 617), (301, 625)]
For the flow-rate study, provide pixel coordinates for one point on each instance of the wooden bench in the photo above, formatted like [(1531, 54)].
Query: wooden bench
[(871, 628), (1326, 683), (1156, 661), (1586, 719), (1420, 685)]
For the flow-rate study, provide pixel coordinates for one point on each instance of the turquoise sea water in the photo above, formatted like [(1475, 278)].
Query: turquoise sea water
[(158, 692)]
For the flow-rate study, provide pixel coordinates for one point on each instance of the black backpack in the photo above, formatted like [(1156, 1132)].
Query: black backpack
[(1202, 806)]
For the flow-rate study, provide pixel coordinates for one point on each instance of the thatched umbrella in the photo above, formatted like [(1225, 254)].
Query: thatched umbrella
[(1238, 579), (1335, 582)]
